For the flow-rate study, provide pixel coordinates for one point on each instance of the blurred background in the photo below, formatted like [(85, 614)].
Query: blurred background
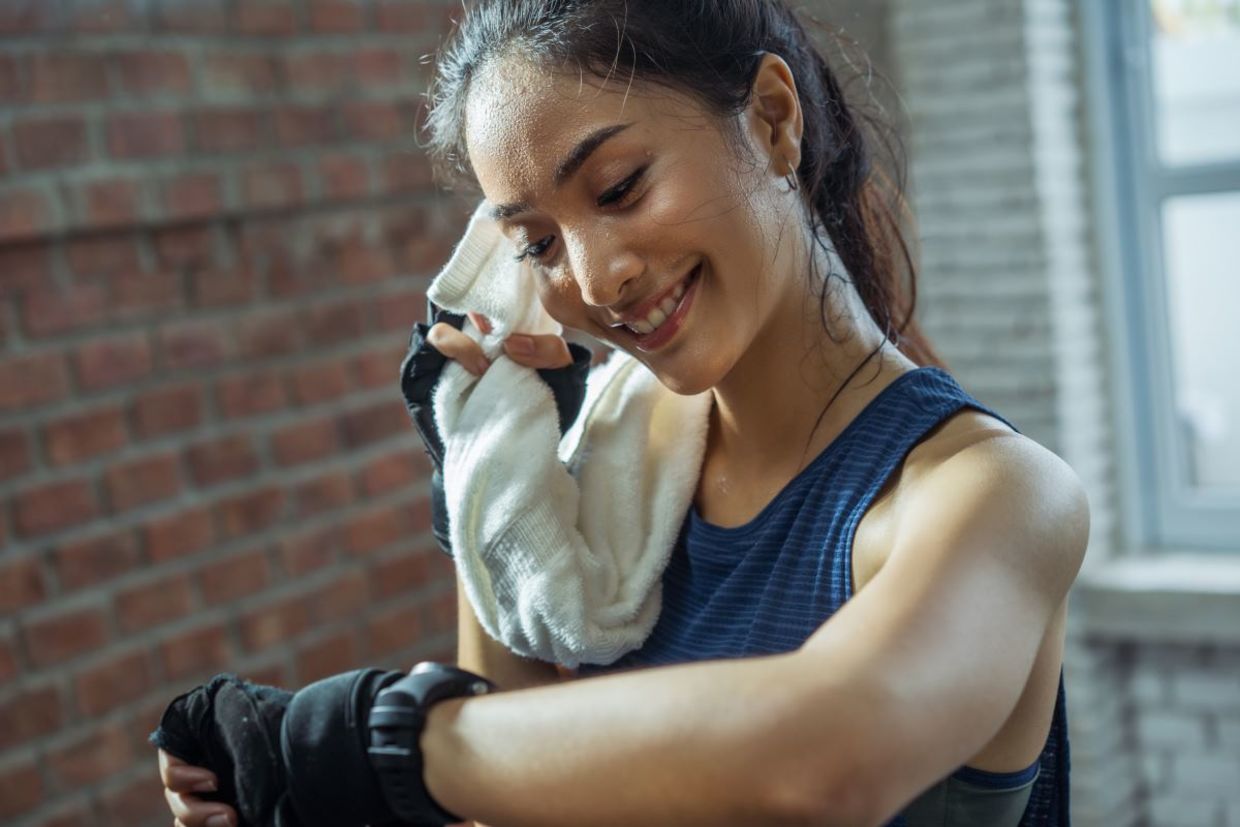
[(216, 228)]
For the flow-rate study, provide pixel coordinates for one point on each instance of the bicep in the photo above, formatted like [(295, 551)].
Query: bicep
[(932, 656), (478, 652)]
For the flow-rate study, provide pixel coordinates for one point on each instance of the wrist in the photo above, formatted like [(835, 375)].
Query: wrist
[(443, 757)]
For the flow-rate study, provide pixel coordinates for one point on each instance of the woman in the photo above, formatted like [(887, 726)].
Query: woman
[(866, 616)]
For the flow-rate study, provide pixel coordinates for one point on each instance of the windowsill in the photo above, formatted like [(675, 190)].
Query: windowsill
[(1161, 598)]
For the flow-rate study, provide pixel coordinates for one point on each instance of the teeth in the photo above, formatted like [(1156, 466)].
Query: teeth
[(659, 315)]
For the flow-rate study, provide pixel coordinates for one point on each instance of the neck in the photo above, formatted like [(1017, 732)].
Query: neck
[(767, 409)]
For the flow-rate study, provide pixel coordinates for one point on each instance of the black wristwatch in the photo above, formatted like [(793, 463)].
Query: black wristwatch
[(396, 720)]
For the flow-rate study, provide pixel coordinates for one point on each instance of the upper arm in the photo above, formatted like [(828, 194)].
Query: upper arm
[(478, 652), (918, 671)]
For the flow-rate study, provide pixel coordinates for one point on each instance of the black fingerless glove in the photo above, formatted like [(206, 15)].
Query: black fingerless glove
[(284, 759), (419, 373)]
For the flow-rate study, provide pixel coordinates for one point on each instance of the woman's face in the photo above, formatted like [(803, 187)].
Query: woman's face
[(647, 228)]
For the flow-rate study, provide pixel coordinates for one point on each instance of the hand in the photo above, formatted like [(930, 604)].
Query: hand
[(541, 352), (181, 782)]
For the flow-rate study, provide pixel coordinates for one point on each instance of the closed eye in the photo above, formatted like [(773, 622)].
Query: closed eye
[(617, 195)]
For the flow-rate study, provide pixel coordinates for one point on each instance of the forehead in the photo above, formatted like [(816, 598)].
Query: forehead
[(520, 120)]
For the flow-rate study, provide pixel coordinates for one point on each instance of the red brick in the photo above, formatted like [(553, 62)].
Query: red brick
[(145, 135), (377, 66), (178, 535), (439, 613), (10, 86), (153, 603), (27, 17), (320, 383), (377, 120), (152, 73), (334, 322), (240, 73), (100, 16), (104, 255), (91, 756), (93, 561), (66, 635), (249, 513), (188, 246), (343, 177), (358, 262), (137, 296), (339, 16), (60, 78), (30, 713), (324, 493), (298, 126), (309, 552), (21, 584), (138, 801), (122, 679), (50, 142), (28, 381), (322, 72), (392, 631), (196, 652), (266, 17), (142, 481), (272, 186), (374, 423), (53, 507), (85, 435), (237, 576), (403, 16), (193, 344), (345, 596), (268, 334), (406, 172), (399, 311), (230, 130), (330, 656), (23, 267), (223, 459), (305, 441), (113, 362), (275, 623), (21, 788), (377, 528), (51, 312), (222, 287), (378, 369), (167, 410), (251, 394), (194, 17), (193, 195), (25, 213), (14, 454), (108, 204), (401, 574), (8, 659), (390, 472)]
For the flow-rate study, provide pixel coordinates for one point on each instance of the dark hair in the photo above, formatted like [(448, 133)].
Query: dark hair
[(710, 49)]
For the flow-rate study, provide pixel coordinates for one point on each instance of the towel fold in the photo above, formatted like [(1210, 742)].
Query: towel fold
[(560, 543)]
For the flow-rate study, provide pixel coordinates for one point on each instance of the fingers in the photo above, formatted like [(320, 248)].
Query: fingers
[(192, 811), (181, 777), (545, 351), (456, 345)]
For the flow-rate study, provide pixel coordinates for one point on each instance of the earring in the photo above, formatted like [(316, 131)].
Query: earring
[(791, 180)]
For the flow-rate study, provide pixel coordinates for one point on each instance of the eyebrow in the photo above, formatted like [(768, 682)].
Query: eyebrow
[(567, 167)]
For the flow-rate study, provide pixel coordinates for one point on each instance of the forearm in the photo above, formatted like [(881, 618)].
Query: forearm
[(702, 744)]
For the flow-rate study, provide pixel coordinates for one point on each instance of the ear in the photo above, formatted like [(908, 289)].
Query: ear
[(775, 114)]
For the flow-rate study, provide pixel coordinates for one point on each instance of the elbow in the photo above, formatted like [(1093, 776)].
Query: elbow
[(844, 795)]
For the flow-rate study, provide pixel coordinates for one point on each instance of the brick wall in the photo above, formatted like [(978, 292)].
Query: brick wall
[(215, 232)]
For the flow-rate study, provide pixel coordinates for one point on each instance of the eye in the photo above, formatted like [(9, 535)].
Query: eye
[(621, 191), (536, 249)]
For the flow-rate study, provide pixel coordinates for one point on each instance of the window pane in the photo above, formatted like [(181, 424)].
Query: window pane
[(1196, 73), (1203, 294)]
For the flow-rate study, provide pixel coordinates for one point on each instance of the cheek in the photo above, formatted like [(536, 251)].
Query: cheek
[(562, 299)]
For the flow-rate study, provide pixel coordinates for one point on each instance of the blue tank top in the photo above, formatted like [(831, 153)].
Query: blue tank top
[(764, 587)]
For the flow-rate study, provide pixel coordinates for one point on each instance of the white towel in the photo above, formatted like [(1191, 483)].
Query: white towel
[(560, 543)]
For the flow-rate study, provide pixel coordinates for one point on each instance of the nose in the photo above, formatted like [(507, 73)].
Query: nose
[(604, 267)]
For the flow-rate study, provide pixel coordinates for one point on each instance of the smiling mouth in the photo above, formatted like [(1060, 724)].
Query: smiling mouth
[(663, 311)]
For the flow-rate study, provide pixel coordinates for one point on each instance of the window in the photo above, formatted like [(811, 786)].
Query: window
[(1167, 72)]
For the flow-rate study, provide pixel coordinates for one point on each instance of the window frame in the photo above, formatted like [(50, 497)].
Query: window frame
[(1159, 508)]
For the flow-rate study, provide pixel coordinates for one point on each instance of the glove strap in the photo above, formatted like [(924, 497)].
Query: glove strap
[(396, 721)]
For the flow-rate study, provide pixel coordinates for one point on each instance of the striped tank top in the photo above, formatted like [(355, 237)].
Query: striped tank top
[(764, 587)]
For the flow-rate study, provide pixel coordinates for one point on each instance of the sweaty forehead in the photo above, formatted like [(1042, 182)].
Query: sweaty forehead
[(520, 120)]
